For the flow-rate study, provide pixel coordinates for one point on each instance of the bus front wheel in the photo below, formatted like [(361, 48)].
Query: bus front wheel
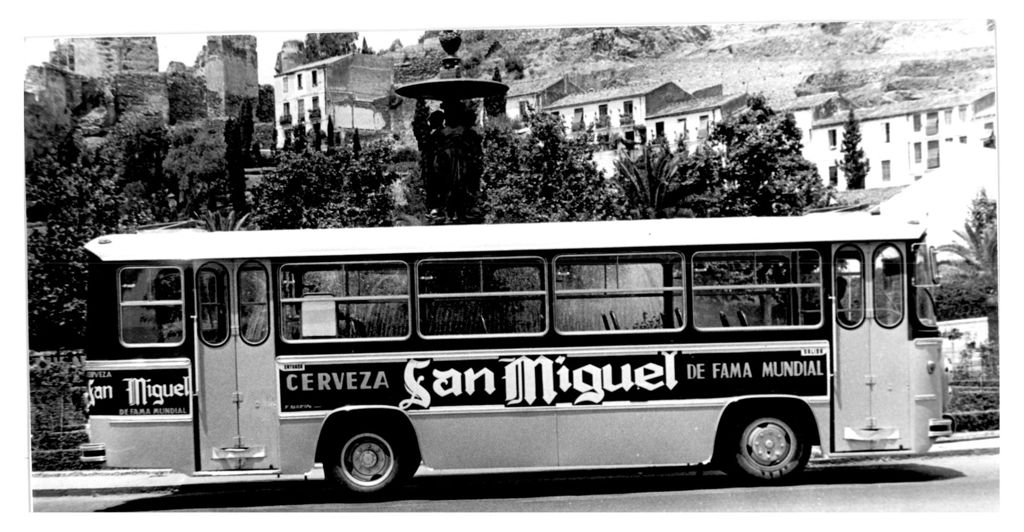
[(366, 462), (768, 448)]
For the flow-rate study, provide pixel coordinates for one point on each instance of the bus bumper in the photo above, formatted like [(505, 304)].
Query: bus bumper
[(93, 452), (940, 427)]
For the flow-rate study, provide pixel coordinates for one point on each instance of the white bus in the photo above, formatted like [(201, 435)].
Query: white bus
[(733, 343)]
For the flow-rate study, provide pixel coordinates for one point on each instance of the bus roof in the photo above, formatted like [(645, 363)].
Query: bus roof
[(161, 245)]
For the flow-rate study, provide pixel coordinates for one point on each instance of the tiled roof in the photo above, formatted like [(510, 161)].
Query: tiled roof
[(903, 108), (523, 87), (696, 104), (314, 64), (805, 102), (613, 93)]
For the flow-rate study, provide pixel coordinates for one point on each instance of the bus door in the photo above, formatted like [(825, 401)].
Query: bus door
[(235, 360), (870, 392)]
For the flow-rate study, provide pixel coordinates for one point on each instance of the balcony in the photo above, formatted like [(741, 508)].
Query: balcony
[(314, 115), (625, 120), (603, 122), (285, 120), (577, 125)]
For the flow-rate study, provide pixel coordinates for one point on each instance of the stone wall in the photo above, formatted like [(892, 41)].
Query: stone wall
[(108, 56), (229, 65), (186, 97), (141, 93), (290, 56)]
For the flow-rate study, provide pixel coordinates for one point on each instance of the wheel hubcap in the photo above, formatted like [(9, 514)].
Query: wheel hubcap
[(768, 444), (367, 460)]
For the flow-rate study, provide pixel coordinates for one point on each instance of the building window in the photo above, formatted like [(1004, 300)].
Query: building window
[(933, 154), (933, 124), (299, 82), (917, 152), (602, 110), (963, 140), (659, 129), (287, 109), (886, 171), (627, 108), (949, 139), (704, 123), (284, 84), (302, 110), (917, 122), (316, 102), (947, 116), (833, 175), (832, 139), (314, 78), (963, 113), (887, 137), (523, 108)]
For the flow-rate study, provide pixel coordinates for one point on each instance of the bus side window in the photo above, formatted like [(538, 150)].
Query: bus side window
[(152, 306), (888, 286), (849, 289)]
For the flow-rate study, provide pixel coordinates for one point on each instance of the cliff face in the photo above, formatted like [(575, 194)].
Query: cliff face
[(779, 60)]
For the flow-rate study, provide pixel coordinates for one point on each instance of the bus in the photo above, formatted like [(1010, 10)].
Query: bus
[(383, 353)]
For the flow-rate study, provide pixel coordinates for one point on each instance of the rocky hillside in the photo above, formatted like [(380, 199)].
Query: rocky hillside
[(868, 61)]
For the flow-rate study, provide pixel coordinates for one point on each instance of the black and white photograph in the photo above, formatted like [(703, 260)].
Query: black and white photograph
[(427, 258)]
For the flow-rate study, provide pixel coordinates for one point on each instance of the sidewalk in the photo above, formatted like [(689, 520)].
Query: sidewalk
[(121, 481)]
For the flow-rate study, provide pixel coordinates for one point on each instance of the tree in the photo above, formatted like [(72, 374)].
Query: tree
[(136, 148), (69, 204), (299, 138), (245, 130), (751, 165), (854, 165), (316, 189), (652, 185), (196, 158), (366, 50), (234, 156), (978, 249), (495, 105), (356, 146), (324, 45), (330, 133), (543, 176)]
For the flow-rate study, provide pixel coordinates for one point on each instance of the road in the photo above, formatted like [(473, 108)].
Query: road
[(966, 483)]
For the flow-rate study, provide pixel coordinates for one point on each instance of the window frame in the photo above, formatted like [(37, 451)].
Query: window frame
[(931, 123), (903, 282), (886, 171), (121, 305), (281, 301), (238, 300), (545, 306), (694, 289), (661, 292), (937, 159), (226, 303)]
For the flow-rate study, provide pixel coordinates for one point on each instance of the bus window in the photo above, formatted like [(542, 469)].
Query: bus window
[(757, 289), (849, 290), (888, 285), (212, 286), (618, 293), (482, 296), (253, 307), (152, 307), (357, 300), (924, 282)]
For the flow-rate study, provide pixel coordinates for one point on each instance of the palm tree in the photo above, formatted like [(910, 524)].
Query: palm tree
[(652, 184), (978, 251), (215, 221)]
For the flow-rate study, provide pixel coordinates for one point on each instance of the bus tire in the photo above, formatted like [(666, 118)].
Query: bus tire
[(768, 449), (367, 461)]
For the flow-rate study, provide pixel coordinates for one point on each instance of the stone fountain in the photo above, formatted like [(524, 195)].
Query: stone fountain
[(452, 153)]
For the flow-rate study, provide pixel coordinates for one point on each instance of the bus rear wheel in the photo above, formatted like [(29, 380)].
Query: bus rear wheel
[(367, 462), (768, 449)]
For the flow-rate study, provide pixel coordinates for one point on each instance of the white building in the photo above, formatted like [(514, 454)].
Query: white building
[(615, 110), (692, 119), (533, 95), (904, 141), (348, 89)]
